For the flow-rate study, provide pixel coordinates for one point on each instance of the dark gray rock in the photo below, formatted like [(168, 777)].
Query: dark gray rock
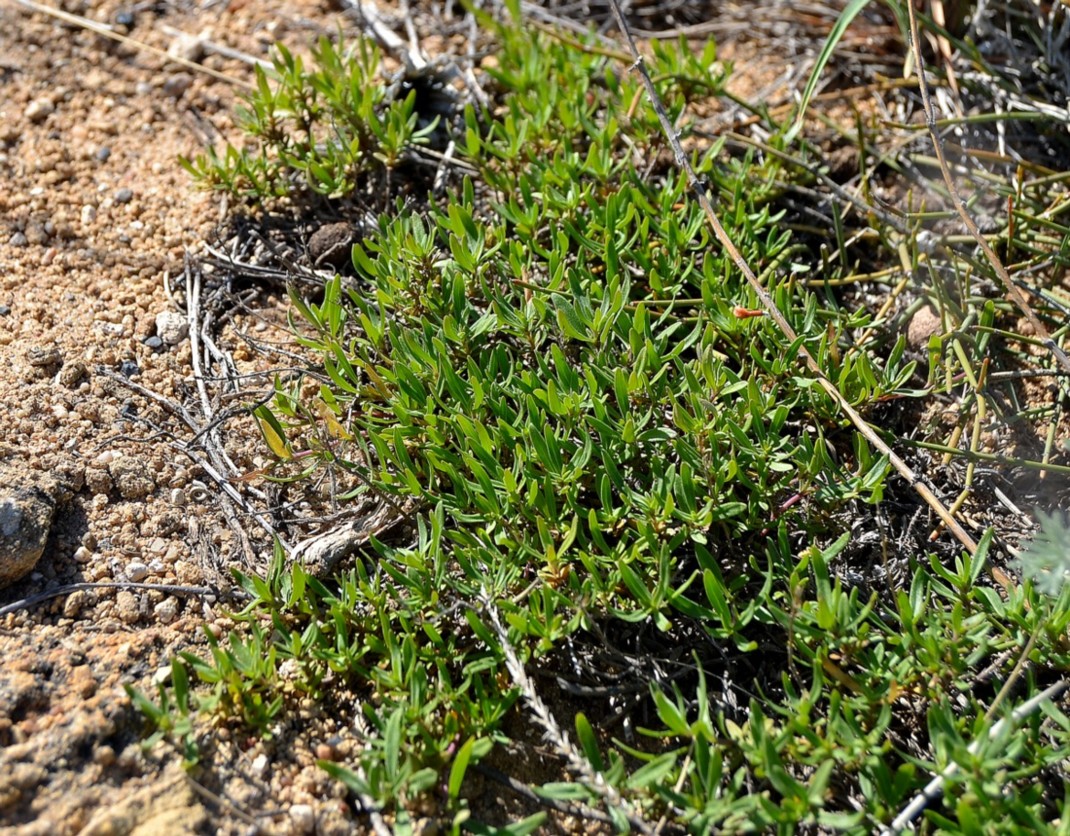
[(26, 511)]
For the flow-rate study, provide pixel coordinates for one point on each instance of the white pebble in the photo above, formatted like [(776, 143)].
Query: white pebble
[(260, 765), (137, 571), (39, 109), (303, 818), (82, 555), (178, 497), (166, 611), (171, 327)]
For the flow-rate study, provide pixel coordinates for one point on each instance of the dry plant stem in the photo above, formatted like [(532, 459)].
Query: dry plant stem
[(960, 207), (553, 733), (867, 432), (171, 589), (107, 32), (527, 792), (935, 788), (220, 49)]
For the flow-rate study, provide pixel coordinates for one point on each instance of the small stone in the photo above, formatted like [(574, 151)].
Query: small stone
[(102, 153), (5, 310), (124, 196), (187, 46), (25, 520), (39, 109), (325, 752), (74, 604), (178, 497), (124, 18), (177, 84), (331, 245), (82, 555), (128, 368), (126, 606), (166, 611), (923, 325), (43, 356), (260, 764), (303, 818), (17, 240), (89, 214), (103, 755), (73, 373), (131, 476), (137, 571), (153, 342), (172, 327)]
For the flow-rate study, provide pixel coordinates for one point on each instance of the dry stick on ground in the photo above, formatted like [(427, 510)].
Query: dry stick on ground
[(767, 301), (554, 734), (172, 589), (108, 32), (935, 788), (960, 206)]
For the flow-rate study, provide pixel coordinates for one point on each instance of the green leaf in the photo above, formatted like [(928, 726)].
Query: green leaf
[(459, 767), (588, 742), (849, 13)]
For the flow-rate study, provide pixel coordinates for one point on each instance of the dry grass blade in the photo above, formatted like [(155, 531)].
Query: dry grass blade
[(1009, 286), (699, 192)]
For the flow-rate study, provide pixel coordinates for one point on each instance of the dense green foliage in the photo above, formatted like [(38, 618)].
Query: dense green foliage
[(560, 374)]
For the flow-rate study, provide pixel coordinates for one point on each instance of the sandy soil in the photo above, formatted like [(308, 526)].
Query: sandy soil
[(95, 216)]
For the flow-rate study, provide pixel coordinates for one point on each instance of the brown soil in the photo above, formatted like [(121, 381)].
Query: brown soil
[(95, 218)]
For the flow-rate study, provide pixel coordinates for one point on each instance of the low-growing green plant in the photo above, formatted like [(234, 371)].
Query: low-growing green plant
[(600, 435), (320, 130)]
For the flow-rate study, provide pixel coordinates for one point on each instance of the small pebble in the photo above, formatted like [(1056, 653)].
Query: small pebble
[(5, 310), (303, 818), (166, 611), (177, 84), (187, 46), (124, 196), (39, 109), (89, 213), (82, 555), (128, 368), (124, 18), (260, 765), (103, 755), (18, 240), (171, 327), (74, 604), (137, 571), (103, 153), (178, 497), (153, 342)]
